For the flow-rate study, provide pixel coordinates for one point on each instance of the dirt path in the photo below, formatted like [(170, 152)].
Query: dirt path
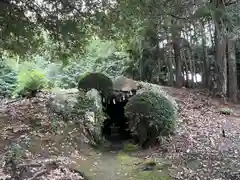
[(123, 166), (102, 167), (109, 168)]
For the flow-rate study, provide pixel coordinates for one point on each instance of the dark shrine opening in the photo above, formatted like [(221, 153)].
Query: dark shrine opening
[(115, 127)]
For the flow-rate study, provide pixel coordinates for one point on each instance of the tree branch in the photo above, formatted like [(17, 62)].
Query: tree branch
[(177, 17), (231, 2)]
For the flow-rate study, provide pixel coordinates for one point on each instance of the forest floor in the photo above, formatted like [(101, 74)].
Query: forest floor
[(199, 150)]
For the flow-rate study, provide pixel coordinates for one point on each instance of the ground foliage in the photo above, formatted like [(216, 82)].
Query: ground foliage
[(198, 149)]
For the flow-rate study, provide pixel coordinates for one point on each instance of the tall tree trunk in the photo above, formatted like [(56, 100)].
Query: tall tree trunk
[(170, 69), (175, 31), (232, 73), (188, 62), (211, 33), (205, 74), (150, 52), (221, 63), (220, 42), (177, 57), (194, 75), (169, 63)]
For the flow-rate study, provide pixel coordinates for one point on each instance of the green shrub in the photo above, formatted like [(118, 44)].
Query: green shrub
[(7, 84), (151, 115), (226, 111), (29, 82), (7, 79), (96, 81), (156, 88)]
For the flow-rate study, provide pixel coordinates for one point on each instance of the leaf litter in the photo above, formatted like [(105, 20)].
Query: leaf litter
[(198, 150)]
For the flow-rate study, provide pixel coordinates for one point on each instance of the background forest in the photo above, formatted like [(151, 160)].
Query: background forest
[(177, 43)]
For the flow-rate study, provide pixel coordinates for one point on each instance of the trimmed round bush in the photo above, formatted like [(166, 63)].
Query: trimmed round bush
[(151, 116), (97, 81)]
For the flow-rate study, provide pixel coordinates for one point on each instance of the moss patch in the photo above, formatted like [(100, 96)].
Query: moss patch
[(135, 168), (129, 147)]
